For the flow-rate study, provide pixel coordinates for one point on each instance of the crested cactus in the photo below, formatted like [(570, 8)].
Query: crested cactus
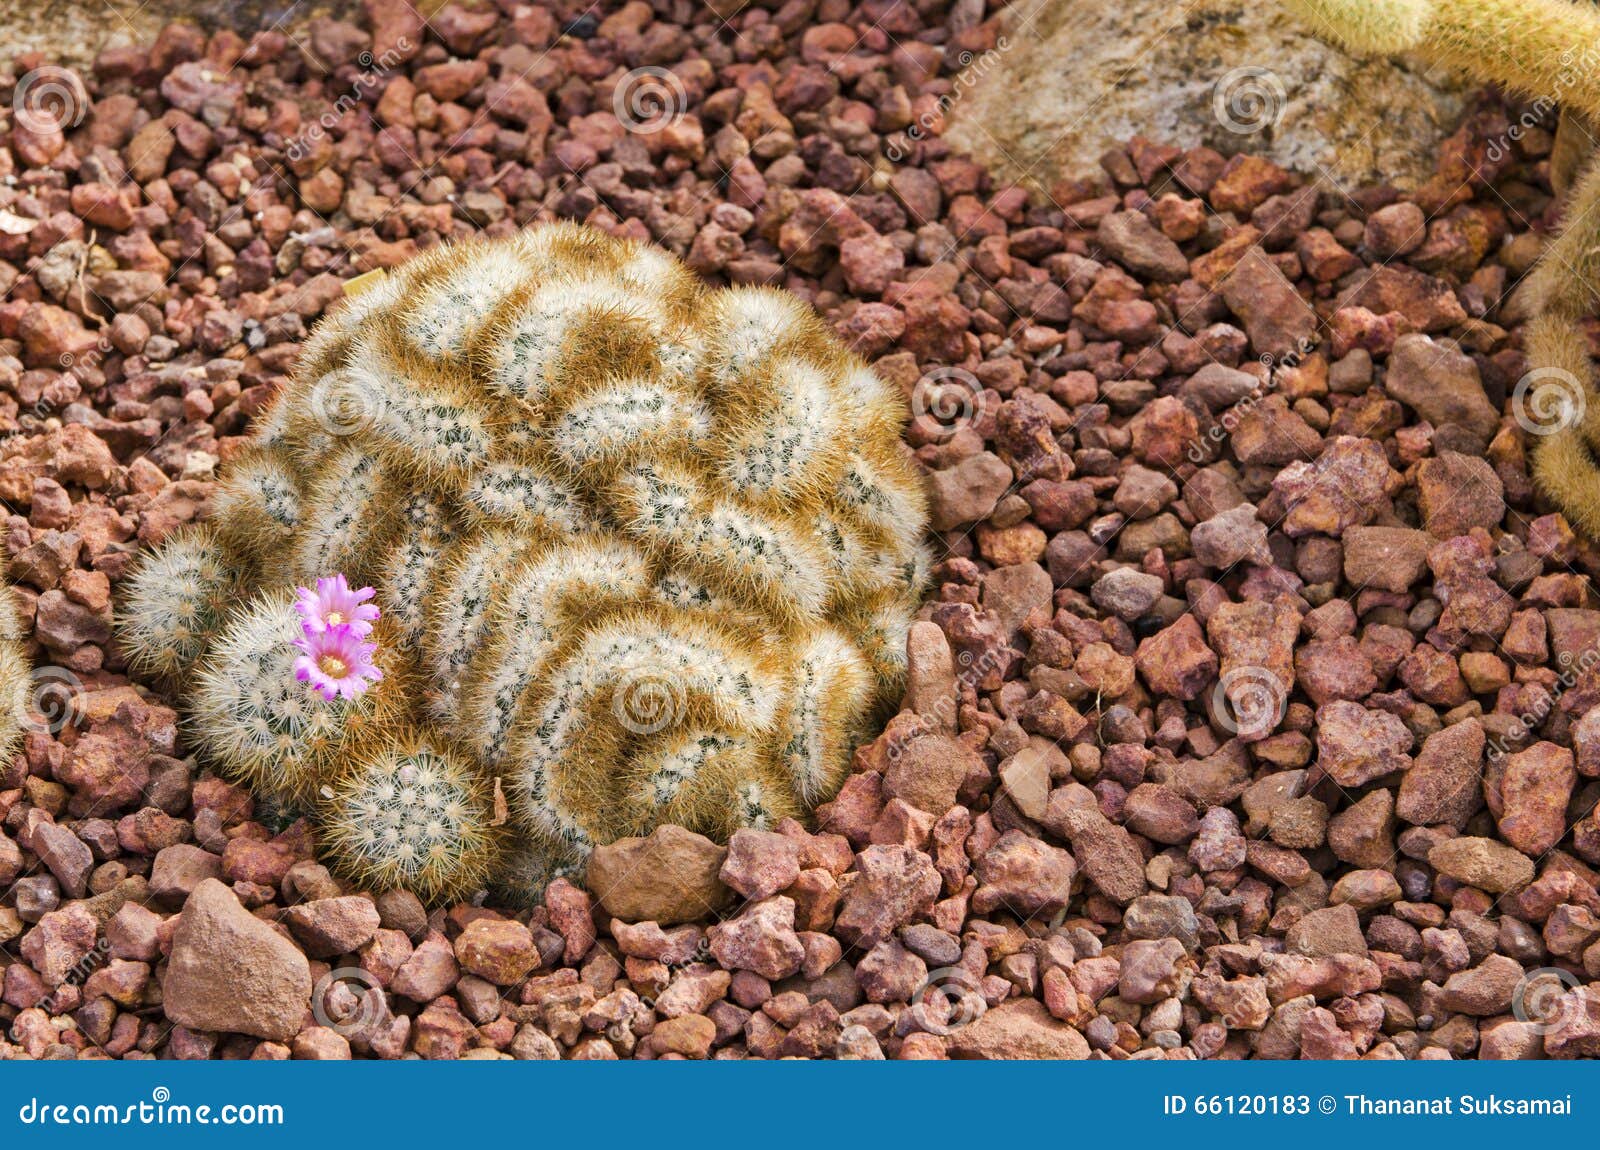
[(643, 553), (1545, 49)]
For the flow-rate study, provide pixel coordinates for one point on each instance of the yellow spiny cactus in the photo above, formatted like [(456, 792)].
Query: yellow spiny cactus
[(1381, 27), (644, 553), (1534, 47)]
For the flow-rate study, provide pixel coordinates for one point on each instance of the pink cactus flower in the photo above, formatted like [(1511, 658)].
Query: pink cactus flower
[(333, 604), (336, 662)]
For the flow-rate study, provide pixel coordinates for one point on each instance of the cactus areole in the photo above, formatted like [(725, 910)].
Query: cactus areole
[(642, 552)]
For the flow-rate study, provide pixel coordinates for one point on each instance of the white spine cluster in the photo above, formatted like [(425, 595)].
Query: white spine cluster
[(411, 817), (459, 616), (173, 606), (446, 314), (258, 505), (250, 712), (527, 621), (523, 497), (434, 431), (788, 444), (342, 510), (626, 420), (831, 683), (407, 575)]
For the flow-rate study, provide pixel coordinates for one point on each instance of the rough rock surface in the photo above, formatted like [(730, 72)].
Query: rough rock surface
[(230, 971), (1083, 77)]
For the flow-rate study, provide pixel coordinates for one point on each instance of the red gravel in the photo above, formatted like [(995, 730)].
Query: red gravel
[(1253, 713)]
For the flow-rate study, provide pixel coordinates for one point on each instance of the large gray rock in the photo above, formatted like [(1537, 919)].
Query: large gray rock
[(1081, 77)]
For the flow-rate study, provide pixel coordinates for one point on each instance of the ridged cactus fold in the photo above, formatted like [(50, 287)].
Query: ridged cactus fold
[(644, 552)]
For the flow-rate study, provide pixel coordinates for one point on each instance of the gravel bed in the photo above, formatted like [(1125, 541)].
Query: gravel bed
[(1253, 712)]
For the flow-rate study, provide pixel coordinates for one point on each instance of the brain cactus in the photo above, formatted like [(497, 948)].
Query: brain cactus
[(643, 553)]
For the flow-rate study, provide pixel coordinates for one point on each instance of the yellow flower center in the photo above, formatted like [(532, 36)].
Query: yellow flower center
[(335, 618), (333, 666)]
